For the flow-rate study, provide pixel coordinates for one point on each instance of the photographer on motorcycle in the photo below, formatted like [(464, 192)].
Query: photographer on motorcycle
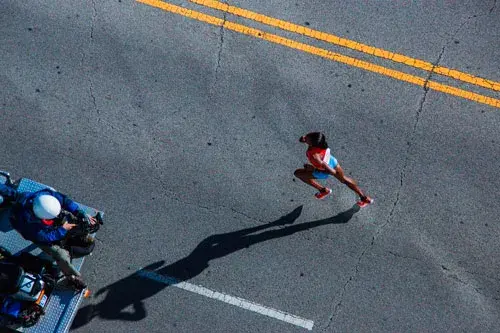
[(35, 217)]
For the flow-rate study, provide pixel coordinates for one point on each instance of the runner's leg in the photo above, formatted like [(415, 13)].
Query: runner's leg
[(348, 181), (306, 175)]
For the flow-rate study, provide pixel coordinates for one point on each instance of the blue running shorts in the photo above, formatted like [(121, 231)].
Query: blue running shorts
[(319, 174)]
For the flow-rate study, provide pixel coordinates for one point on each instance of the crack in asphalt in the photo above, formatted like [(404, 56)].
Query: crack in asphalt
[(91, 90), (402, 175), (219, 55), (483, 275), (465, 22), (344, 289), (175, 196), (493, 7), (471, 285), (475, 16), (94, 16), (398, 193), (410, 139), (401, 184), (397, 255), (91, 83)]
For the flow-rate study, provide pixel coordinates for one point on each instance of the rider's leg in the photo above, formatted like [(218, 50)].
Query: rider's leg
[(62, 258)]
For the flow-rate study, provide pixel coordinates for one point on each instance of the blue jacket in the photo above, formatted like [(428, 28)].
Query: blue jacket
[(30, 226)]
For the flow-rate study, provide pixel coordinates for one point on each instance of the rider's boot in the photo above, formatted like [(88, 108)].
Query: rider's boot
[(77, 282)]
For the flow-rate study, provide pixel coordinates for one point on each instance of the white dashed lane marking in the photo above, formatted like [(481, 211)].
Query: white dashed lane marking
[(236, 301)]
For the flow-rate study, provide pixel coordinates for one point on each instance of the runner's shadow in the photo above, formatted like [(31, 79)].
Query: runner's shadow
[(132, 290)]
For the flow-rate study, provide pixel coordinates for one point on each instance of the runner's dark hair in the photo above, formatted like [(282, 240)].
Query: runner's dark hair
[(318, 139)]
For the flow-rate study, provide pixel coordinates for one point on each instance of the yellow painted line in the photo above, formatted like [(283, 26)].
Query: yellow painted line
[(399, 58), (322, 52)]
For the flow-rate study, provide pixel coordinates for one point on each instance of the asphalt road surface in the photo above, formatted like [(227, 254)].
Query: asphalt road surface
[(184, 129)]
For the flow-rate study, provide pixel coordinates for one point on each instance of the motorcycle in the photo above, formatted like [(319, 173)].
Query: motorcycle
[(33, 292)]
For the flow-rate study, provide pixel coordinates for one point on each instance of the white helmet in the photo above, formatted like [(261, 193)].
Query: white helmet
[(46, 207)]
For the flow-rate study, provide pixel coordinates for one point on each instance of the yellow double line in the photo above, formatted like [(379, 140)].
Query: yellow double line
[(336, 56)]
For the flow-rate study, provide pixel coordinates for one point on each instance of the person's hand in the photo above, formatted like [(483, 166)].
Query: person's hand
[(92, 220), (68, 226), (89, 219), (86, 217)]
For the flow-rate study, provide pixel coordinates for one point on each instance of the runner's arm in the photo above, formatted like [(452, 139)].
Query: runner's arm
[(325, 165)]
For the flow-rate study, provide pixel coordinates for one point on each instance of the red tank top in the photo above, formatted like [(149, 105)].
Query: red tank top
[(324, 154)]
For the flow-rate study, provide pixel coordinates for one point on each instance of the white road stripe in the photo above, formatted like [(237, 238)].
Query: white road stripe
[(236, 301)]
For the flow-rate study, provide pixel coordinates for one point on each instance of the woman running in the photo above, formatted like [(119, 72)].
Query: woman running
[(323, 164)]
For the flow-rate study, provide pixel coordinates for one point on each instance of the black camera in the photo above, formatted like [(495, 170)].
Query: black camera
[(84, 227)]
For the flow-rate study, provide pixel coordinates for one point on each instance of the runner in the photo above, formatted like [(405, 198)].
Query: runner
[(323, 165)]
